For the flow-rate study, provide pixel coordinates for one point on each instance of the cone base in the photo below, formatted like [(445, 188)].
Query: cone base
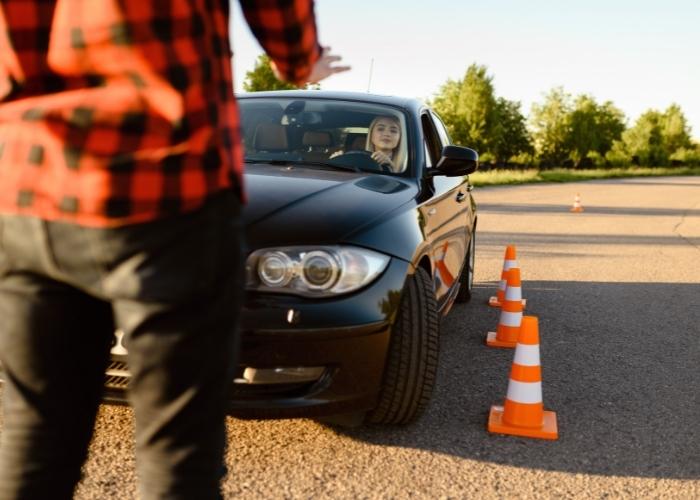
[(577, 209), (492, 341), (548, 430), (493, 302)]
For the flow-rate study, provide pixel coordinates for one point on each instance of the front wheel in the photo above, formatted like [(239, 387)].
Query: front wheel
[(411, 366)]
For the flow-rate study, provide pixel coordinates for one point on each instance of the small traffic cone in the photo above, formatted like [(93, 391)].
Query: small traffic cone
[(577, 207), (506, 334), (509, 262), (523, 413)]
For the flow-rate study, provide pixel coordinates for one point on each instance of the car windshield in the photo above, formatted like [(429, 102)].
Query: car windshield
[(324, 132)]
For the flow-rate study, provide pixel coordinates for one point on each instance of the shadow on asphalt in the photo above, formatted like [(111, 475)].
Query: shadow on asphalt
[(650, 182), (625, 390), (532, 208), (543, 240)]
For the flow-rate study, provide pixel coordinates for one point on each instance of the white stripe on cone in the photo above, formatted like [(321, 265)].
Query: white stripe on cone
[(510, 318), (502, 285), (524, 392), (509, 264), (514, 293), (527, 355)]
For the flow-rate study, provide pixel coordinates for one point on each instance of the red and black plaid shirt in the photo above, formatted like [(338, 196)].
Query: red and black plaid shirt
[(121, 111)]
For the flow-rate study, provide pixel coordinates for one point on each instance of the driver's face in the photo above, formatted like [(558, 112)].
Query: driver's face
[(386, 134)]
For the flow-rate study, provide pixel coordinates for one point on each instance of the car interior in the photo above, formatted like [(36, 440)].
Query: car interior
[(314, 145), (291, 131)]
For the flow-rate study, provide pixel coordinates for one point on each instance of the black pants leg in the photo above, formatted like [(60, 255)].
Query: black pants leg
[(175, 288), (54, 343)]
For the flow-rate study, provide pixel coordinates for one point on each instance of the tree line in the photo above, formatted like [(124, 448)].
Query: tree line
[(562, 130)]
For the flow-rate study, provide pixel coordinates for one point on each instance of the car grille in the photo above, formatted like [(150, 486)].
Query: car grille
[(117, 375), (117, 378)]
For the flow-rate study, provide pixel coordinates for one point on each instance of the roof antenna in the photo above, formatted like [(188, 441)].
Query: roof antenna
[(371, 67)]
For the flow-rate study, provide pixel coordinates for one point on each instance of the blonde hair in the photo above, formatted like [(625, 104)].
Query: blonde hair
[(398, 157)]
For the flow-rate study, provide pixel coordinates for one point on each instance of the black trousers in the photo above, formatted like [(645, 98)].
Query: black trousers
[(174, 287)]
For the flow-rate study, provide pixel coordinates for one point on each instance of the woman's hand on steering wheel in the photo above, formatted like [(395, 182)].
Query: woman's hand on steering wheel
[(383, 159), (364, 161)]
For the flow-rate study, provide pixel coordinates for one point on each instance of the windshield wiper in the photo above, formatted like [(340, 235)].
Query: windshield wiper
[(337, 166)]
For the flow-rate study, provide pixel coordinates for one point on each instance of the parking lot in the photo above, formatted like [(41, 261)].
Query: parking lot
[(616, 289)]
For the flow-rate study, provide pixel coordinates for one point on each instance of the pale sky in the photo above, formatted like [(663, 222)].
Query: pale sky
[(640, 54)]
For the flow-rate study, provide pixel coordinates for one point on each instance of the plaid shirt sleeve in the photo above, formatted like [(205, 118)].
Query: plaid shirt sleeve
[(286, 29), (115, 112)]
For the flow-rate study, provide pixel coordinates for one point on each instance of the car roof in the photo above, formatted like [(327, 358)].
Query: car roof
[(401, 102)]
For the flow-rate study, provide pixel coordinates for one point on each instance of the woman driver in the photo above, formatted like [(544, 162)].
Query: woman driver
[(384, 141)]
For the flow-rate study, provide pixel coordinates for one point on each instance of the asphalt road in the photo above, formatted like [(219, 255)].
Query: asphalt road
[(617, 292)]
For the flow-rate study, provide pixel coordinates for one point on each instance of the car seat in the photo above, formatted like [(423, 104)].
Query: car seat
[(316, 145), (355, 142), (270, 138)]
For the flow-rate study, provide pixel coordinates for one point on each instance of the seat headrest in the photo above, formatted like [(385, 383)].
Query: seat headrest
[(270, 137), (316, 139), (358, 142)]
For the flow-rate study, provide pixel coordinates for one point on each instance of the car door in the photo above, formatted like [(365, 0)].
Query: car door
[(445, 214)]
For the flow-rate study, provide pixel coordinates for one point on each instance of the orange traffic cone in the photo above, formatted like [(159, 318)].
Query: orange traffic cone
[(509, 262), (523, 414), (577, 207), (506, 334)]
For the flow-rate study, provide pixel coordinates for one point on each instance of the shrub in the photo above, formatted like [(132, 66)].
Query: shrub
[(595, 159), (617, 157), (686, 156)]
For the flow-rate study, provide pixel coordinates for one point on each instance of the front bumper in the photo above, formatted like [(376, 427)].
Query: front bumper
[(307, 357)]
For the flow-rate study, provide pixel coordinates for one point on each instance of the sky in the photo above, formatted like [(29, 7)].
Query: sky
[(639, 54)]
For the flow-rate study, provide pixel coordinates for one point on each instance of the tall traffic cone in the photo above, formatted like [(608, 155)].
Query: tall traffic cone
[(509, 262), (523, 413), (577, 207), (506, 334)]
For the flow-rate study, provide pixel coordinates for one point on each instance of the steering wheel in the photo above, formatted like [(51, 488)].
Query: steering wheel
[(364, 160)]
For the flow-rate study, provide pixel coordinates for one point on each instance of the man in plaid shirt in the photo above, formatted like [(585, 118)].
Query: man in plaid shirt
[(120, 181)]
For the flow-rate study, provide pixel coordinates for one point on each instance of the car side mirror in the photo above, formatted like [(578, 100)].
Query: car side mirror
[(456, 161)]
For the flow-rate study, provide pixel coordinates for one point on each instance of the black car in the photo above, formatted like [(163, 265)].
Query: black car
[(360, 233)]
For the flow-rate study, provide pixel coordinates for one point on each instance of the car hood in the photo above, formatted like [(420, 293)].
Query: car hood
[(290, 205)]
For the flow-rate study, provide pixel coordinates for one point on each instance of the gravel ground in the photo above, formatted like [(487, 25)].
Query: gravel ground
[(617, 292)]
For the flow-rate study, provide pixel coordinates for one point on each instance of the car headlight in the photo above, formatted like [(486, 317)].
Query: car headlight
[(318, 271)]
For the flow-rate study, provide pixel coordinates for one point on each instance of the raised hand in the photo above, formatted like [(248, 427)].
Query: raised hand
[(325, 66)]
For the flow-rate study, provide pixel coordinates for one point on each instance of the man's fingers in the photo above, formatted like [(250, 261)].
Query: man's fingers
[(324, 66), (340, 69)]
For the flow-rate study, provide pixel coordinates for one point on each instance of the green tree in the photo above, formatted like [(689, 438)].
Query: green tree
[(644, 141), (551, 126), (675, 130), (468, 108), (261, 77), (611, 125), (592, 128), (658, 137), (511, 136)]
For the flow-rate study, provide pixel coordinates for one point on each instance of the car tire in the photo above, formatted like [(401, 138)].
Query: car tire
[(412, 361), (466, 278)]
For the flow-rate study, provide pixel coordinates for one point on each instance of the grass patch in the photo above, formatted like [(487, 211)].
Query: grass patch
[(503, 177)]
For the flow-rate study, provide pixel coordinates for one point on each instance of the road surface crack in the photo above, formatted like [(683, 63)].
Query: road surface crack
[(685, 215)]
